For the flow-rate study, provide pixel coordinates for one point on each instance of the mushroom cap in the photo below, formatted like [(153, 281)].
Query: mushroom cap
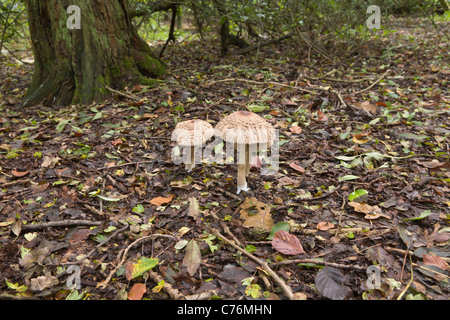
[(192, 132), (245, 127)]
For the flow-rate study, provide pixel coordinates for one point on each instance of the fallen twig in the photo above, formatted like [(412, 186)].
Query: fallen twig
[(374, 83), (260, 83), (123, 94), (319, 262), (124, 252), (59, 224), (286, 289), (125, 164)]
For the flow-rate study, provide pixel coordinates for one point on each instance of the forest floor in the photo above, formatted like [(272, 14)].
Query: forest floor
[(90, 196)]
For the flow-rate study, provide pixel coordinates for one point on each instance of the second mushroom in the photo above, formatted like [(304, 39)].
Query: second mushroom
[(249, 133), (192, 134)]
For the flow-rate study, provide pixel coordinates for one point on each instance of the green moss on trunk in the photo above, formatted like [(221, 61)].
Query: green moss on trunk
[(77, 66)]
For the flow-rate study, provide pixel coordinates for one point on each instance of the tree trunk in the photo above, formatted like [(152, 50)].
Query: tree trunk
[(77, 65), (226, 38)]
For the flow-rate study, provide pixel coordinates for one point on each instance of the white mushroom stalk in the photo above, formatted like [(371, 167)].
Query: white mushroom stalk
[(249, 133), (190, 135)]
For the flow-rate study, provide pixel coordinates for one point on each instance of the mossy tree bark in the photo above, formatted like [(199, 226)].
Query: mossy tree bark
[(78, 65)]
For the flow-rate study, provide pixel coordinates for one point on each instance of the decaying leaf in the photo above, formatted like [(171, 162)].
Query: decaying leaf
[(372, 212), (324, 225), (296, 129), (193, 210), (192, 257), (329, 282), (159, 201), (16, 173), (286, 243), (360, 138), (296, 167), (137, 291), (367, 106), (136, 269), (50, 162), (435, 261), (256, 214), (380, 256), (43, 282)]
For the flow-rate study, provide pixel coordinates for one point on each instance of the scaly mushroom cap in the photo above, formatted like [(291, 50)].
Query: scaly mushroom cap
[(192, 133), (245, 127)]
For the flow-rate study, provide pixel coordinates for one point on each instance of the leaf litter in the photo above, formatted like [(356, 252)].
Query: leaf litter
[(96, 188)]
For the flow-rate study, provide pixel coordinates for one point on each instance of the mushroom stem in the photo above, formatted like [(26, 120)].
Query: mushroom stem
[(243, 170), (190, 159), (241, 181)]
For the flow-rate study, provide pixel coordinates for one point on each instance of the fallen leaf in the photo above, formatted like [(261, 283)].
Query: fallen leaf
[(159, 201), (380, 256), (43, 282), (79, 235), (321, 116), (358, 138), (192, 257), (296, 167), (324, 225), (256, 214), (435, 261), (49, 162), (137, 291), (117, 141), (16, 173), (367, 106), (193, 210), (136, 269), (329, 282), (68, 196), (286, 243), (372, 212), (296, 129)]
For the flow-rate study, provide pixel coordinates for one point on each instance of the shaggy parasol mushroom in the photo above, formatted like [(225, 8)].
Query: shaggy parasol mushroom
[(247, 131), (191, 134)]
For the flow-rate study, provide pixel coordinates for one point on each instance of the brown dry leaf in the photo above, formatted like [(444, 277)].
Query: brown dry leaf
[(296, 167), (68, 196), (296, 129), (49, 162), (324, 225), (39, 188), (16, 173), (117, 141), (286, 181), (192, 258), (193, 209), (435, 261), (256, 214), (321, 116), (159, 201), (367, 106), (43, 282), (286, 243), (359, 138), (372, 212), (137, 291)]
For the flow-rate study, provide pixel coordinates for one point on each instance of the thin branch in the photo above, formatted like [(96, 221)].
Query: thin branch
[(104, 283), (286, 289), (59, 224), (374, 83), (260, 83)]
